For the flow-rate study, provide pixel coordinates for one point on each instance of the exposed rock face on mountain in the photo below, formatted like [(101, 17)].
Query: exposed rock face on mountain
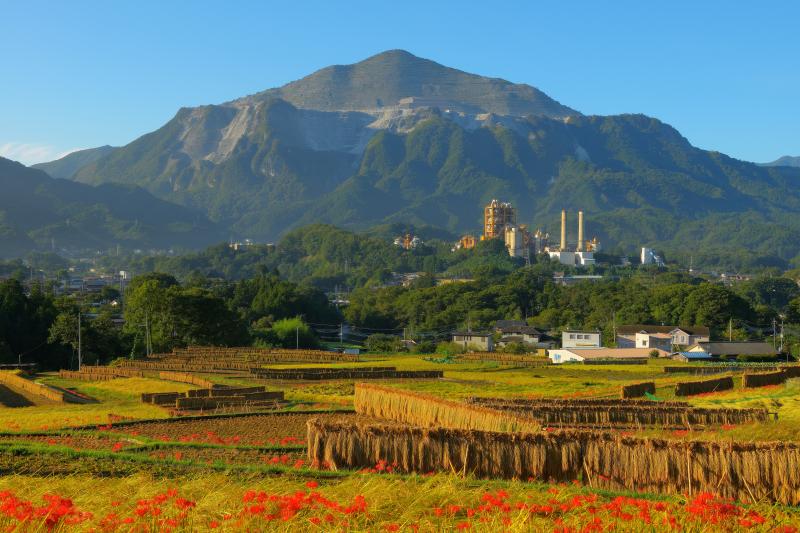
[(40, 212), (785, 161), (399, 138), (66, 167)]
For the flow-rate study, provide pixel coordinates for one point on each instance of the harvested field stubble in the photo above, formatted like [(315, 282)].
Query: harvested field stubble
[(256, 429), (743, 471), (430, 411)]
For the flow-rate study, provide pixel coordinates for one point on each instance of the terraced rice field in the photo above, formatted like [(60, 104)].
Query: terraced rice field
[(258, 471)]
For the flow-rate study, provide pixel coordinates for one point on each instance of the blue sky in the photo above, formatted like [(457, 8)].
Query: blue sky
[(82, 74)]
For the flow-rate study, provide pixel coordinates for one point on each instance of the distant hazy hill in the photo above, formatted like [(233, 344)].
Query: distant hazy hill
[(66, 167), (37, 212), (400, 139), (785, 161)]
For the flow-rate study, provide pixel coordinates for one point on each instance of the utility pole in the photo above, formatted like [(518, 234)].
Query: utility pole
[(614, 325), (730, 329), (80, 355), (147, 345), (781, 336), (774, 334), (341, 335), (297, 338)]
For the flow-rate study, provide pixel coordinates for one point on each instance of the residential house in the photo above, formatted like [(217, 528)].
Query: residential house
[(518, 328), (732, 349), (580, 339), (661, 341), (680, 335), (474, 340)]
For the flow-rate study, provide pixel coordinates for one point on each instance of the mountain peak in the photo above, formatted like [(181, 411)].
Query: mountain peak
[(399, 79), (785, 161)]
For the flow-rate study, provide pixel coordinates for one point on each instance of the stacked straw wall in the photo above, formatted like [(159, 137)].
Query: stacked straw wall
[(751, 471), (637, 390), (764, 379), (15, 380), (689, 388), (426, 410)]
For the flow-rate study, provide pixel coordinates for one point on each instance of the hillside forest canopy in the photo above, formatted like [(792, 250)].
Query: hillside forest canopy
[(281, 297)]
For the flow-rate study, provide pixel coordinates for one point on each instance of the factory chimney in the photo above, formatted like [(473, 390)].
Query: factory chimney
[(580, 232), (563, 230)]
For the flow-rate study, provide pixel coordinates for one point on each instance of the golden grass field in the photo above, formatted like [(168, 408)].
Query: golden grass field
[(214, 471)]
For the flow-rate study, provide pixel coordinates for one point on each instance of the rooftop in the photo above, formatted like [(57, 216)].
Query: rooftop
[(737, 348), (615, 353), (632, 329)]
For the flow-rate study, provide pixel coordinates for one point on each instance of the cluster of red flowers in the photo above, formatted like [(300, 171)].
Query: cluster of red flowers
[(585, 513), (285, 460), (163, 512), (312, 505), (55, 511), (381, 467)]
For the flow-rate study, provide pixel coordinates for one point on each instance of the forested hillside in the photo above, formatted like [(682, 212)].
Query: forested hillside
[(40, 212)]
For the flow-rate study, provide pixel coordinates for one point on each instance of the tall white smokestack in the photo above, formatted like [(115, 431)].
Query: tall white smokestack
[(563, 230), (580, 231)]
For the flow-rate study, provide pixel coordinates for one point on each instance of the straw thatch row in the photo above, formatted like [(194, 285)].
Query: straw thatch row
[(100, 373), (689, 388), (216, 398), (506, 359), (426, 410), (255, 354), (183, 377), (764, 379), (13, 379), (792, 371), (718, 368), (344, 373), (652, 415), (751, 471), (572, 402), (637, 390)]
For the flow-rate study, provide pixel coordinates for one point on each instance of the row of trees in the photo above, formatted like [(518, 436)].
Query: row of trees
[(745, 311), (36, 326), (266, 309)]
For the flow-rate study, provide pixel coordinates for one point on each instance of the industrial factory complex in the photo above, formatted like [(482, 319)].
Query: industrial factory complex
[(500, 222)]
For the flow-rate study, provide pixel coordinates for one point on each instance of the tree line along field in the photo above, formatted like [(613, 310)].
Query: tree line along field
[(117, 463)]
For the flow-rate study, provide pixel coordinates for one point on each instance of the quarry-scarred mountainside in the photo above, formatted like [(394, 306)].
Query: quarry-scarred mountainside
[(396, 138), (785, 161), (38, 212), (66, 167)]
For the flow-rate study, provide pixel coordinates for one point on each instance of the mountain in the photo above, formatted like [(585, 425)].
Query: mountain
[(66, 167), (40, 212), (400, 139), (785, 161), (397, 77)]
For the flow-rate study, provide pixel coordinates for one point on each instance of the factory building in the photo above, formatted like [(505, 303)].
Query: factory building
[(582, 253), (408, 241), (496, 217), (649, 257), (467, 242)]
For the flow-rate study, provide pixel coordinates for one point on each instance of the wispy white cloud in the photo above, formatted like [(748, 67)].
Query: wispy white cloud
[(32, 153)]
